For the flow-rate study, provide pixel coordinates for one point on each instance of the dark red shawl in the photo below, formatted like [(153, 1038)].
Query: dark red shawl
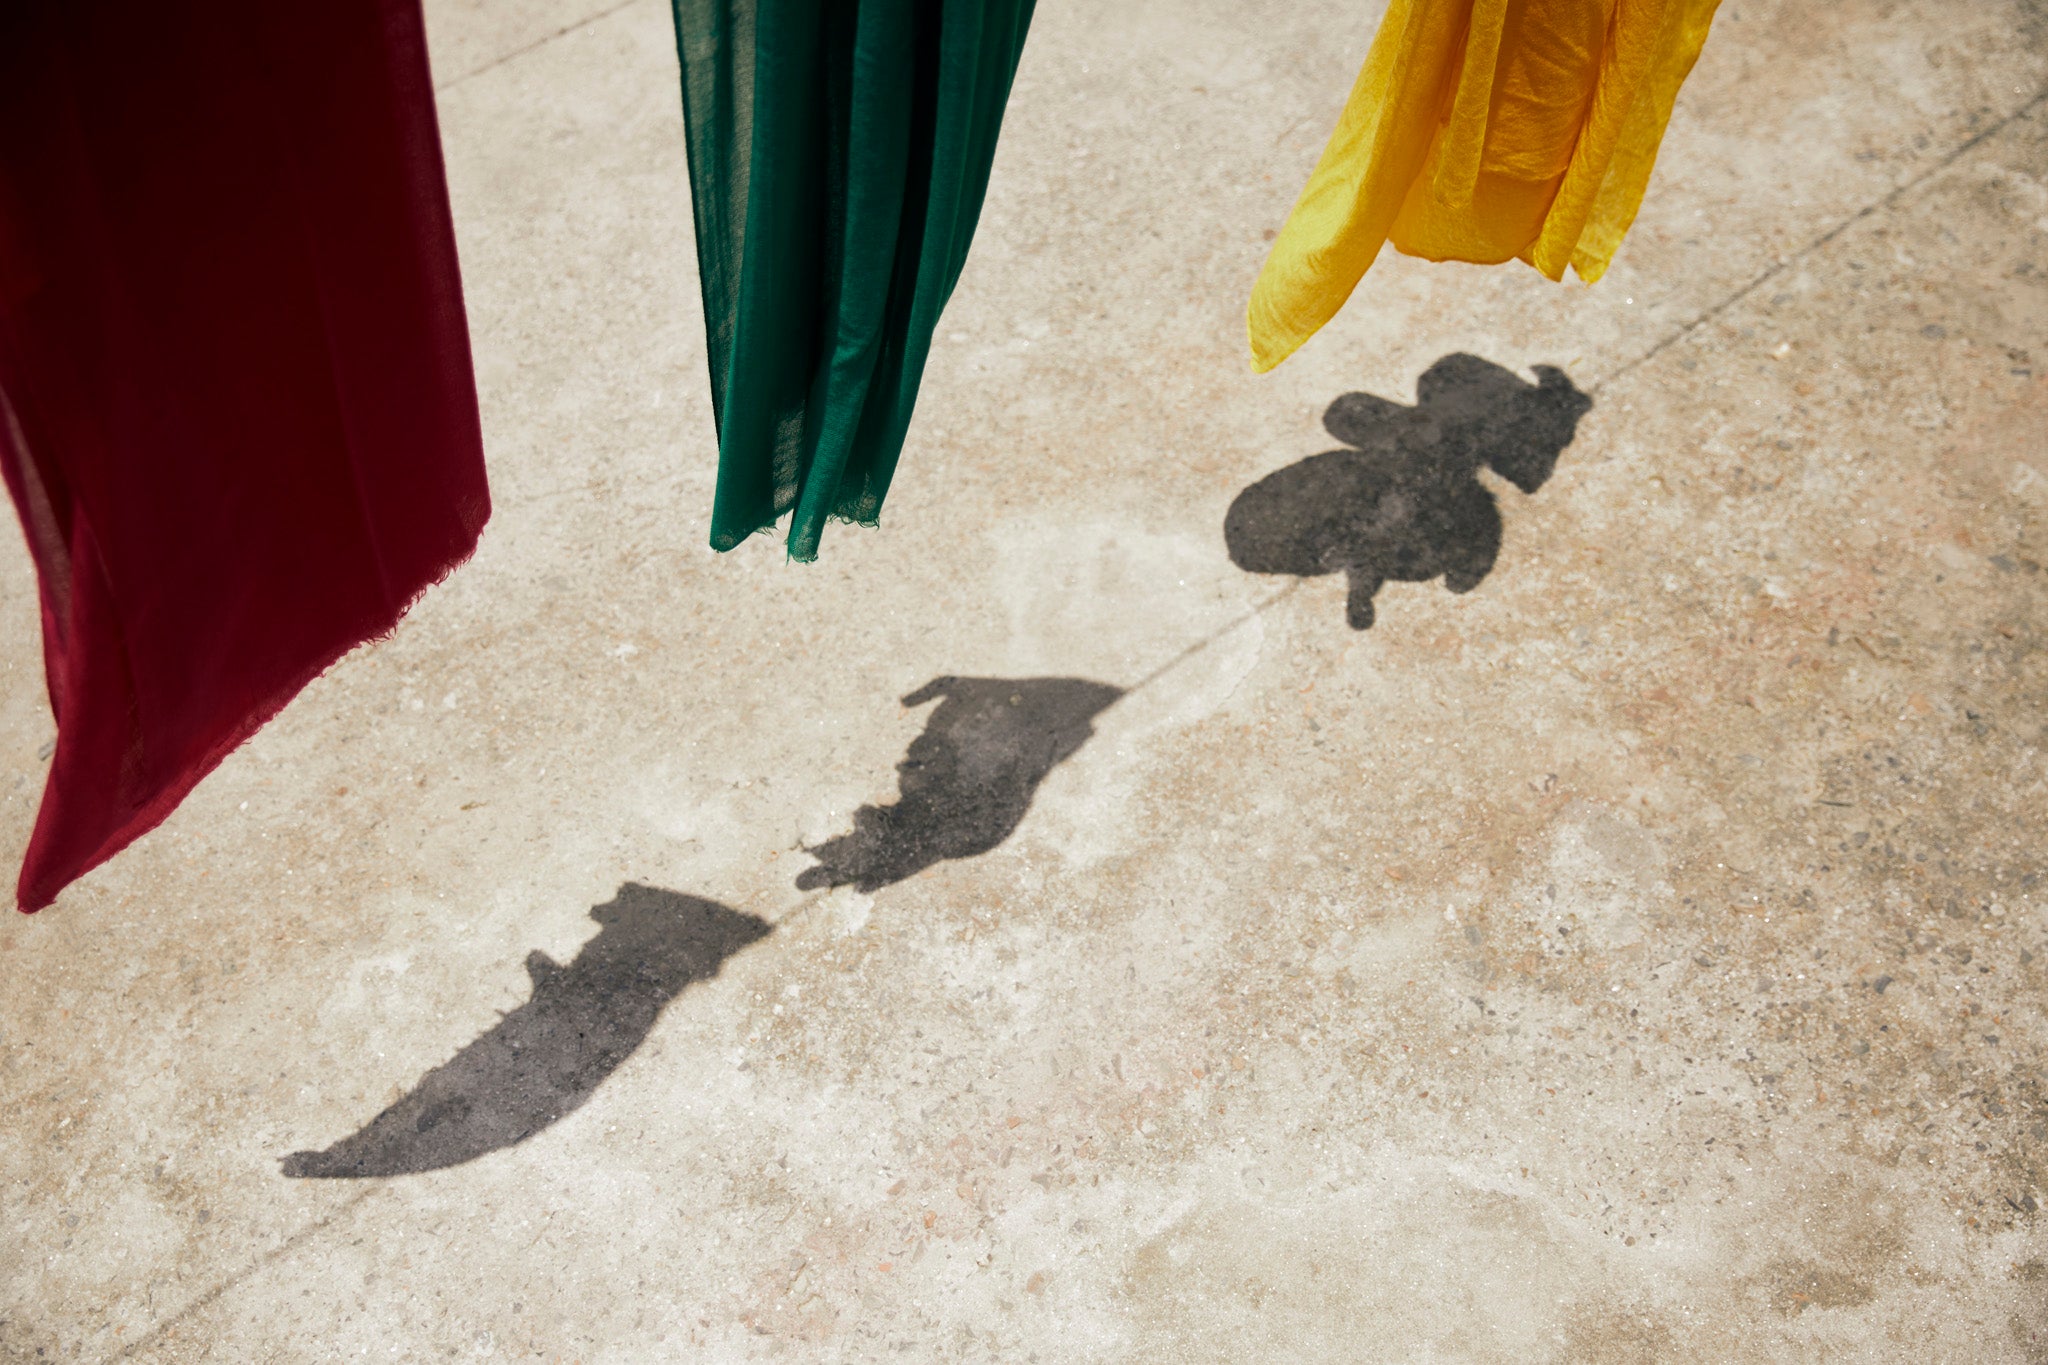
[(236, 407)]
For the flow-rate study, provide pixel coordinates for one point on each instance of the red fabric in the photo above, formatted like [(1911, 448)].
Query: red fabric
[(237, 414)]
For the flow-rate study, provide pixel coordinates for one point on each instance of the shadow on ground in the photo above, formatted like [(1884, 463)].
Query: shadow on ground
[(967, 780), (1406, 503), (546, 1057)]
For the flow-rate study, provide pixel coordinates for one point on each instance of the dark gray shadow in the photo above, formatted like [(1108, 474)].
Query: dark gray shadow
[(1406, 503), (967, 780), (546, 1057)]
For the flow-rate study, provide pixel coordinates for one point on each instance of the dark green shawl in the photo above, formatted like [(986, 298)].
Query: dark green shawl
[(839, 151)]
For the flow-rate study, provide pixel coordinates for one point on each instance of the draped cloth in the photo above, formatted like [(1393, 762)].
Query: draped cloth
[(237, 415), (839, 153), (1482, 130)]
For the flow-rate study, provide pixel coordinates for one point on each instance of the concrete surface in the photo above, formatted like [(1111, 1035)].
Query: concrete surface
[(1636, 957)]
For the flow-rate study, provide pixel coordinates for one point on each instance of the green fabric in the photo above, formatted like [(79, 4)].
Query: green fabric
[(839, 153)]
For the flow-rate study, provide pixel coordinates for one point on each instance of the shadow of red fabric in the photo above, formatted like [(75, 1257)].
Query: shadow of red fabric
[(237, 413)]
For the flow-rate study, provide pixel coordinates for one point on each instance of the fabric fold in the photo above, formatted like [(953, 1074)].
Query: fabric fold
[(839, 155), (1481, 131), (237, 413)]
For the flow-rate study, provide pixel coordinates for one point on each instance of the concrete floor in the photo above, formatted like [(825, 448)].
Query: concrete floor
[(1639, 957)]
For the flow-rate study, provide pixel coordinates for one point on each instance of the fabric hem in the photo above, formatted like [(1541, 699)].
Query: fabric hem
[(30, 899)]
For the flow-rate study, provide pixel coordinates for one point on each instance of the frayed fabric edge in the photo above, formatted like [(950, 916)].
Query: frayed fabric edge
[(30, 899)]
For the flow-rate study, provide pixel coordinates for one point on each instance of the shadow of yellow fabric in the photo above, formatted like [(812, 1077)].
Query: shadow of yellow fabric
[(1482, 130)]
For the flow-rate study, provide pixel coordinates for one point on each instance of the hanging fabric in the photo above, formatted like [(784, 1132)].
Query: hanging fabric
[(237, 416), (1482, 130), (838, 158)]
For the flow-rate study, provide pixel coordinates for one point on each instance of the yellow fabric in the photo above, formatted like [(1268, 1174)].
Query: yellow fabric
[(1482, 130)]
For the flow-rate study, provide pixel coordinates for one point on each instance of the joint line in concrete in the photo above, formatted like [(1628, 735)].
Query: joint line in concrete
[(277, 1252), (1882, 202), (535, 45)]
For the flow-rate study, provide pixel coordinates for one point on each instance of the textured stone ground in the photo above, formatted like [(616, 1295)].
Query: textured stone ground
[(1637, 957)]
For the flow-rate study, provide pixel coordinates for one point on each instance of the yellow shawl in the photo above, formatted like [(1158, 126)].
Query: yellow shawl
[(1480, 130)]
